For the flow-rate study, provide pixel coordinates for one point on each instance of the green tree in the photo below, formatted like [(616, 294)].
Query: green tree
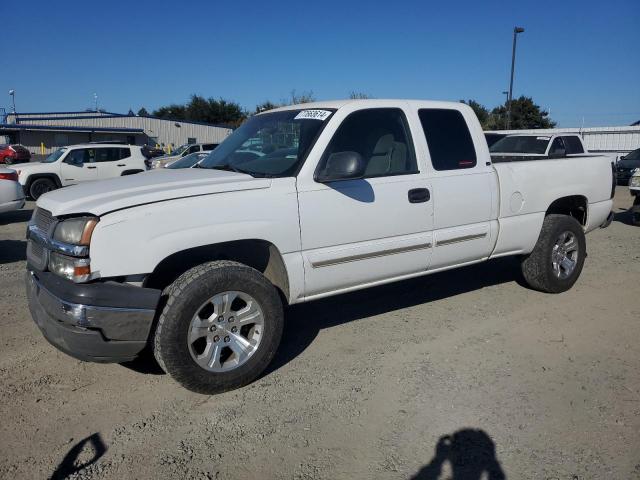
[(524, 114), (480, 110), (208, 110), (143, 112), (359, 95), (266, 105)]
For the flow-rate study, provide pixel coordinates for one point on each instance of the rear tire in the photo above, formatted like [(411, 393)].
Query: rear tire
[(556, 261), (40, 186), (204, 341)]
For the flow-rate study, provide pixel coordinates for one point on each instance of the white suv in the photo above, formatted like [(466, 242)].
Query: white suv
[(80, 163)]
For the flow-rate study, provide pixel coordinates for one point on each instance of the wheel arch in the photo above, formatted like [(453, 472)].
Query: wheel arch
[(575, 206), (262, 255), (36, 176)]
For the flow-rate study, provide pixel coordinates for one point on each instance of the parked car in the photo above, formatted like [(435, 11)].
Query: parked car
[(182, 151), (626, 166), (152, 151), (11, 193), (533, 146), (188, 161), (634, 188), (80, 163), (10, 154), (196, 264)]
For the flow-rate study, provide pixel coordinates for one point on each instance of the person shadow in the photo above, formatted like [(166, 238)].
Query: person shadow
[(68, 465), (471, 455)]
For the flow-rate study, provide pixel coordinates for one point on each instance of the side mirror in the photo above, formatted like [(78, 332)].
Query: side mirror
[(558, 153), (342, 166)]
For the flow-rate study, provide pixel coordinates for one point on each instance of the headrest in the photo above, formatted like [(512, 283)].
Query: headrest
[(384, 145)]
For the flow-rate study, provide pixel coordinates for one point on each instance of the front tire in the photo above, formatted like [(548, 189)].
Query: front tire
[(220, 327), (40, 186), (556, 261)]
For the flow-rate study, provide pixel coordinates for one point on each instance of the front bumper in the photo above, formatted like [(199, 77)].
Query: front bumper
[(99, 322)]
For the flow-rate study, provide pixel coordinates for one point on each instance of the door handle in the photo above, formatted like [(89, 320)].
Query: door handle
[(122, 165), (419, 195), (92, 167)]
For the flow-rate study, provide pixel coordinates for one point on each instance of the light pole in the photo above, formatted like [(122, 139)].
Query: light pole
[(12, 93), (516, 31)]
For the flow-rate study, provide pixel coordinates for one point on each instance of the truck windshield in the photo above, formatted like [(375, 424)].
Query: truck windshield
[(521, 144), (54, 156), (270, 144)]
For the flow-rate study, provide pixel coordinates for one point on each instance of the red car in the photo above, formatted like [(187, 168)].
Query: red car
[(14, 154)]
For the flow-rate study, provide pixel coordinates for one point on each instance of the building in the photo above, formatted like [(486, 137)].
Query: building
[(611, 141), (44, 132)]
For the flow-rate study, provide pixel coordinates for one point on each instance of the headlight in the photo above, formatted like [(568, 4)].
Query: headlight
[(75, 231), (75, 269), (635, 182)]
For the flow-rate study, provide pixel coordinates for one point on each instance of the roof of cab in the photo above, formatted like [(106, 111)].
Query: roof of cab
[(370, 103)]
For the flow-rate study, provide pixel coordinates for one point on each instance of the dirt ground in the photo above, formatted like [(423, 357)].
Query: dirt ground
[(444, 376)]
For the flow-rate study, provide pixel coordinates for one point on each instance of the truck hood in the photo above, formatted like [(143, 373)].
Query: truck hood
[(105, 196)]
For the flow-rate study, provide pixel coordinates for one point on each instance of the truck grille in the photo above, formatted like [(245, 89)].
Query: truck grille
[(36, 255), (43, 220)]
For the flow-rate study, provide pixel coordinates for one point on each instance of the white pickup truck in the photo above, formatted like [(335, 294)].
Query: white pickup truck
[(198, 263), (537, 147)]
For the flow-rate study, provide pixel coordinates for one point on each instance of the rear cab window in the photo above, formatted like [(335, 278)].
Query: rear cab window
[(448, 138), (573, 145)]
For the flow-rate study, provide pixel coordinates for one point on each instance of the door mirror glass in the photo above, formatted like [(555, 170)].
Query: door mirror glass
[(342, 166)]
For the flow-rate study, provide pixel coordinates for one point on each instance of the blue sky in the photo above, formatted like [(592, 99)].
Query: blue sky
[(580, 59)]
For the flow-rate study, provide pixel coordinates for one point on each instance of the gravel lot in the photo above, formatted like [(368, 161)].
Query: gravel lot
[(528, 384)]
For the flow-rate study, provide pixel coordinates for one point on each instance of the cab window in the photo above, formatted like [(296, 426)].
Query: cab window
[(448, 138), (381, 137)]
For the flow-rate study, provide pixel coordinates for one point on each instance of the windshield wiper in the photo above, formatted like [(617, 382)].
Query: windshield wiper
[(230, 168)]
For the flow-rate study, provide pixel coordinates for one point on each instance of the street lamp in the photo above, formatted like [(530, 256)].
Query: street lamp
[(12, 94), (516, 31)]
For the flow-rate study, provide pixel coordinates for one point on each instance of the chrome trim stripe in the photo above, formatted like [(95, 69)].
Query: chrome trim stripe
[(38, 236), (464, 238), (366, 256)]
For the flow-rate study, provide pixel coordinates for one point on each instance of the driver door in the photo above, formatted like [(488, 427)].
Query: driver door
[(79, 166), (373, 229)]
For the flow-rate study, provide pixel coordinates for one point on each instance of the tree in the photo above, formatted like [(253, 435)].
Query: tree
[(359, 95), (524, 114), (480, 110), (200, 109), (266, 105), (304, 97), (143, 112)]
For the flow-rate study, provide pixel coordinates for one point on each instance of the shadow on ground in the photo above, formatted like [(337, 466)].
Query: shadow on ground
[(70, 464), (12, 251), (304, 321), (15, 216), (624, 216), (470, 455)]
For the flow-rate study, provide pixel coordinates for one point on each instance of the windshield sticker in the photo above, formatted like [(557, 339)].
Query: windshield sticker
[(313, 115), (543, 138)]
